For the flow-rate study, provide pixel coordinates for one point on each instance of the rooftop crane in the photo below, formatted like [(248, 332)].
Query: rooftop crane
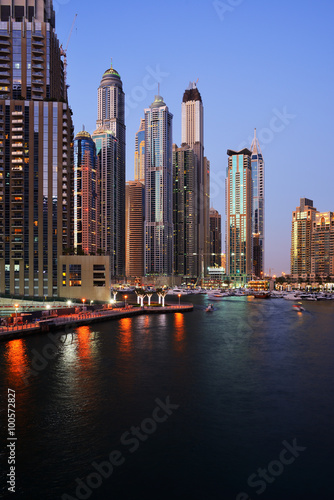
[(63, 52)]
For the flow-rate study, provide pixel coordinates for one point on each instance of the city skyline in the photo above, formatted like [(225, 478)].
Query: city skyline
[(289, 104)]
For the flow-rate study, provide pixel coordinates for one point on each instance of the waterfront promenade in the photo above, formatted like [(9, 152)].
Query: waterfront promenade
[(85, 318)]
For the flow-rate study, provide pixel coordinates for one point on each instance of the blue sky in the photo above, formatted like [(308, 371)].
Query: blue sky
[(264, 64)]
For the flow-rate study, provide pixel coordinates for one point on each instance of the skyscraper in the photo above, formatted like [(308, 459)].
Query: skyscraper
[(239, 251), (134, 229), (215, 238), (36, 158), (158, 189), (110, 134), (258, 207), (302, 222), (193, 136), (86, 196), (140, 153), (185, 216), (322, 245)]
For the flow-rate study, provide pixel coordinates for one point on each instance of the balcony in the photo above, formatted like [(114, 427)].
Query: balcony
[(37, 59), (37, 36), (37, 48)]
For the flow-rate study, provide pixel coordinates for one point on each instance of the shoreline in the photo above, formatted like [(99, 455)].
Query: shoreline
[(74, 320)]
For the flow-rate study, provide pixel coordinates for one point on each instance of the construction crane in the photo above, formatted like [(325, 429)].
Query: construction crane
[(63, 52)]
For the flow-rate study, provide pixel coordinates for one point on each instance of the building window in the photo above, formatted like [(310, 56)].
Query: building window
[(75, 275)]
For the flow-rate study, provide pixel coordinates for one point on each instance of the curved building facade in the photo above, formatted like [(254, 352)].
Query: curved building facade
[(110, 146)]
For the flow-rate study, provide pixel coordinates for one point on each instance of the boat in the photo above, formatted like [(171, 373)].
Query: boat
[(178, 291), (298, 308), (209, 308), (261, 295), (291, 296)]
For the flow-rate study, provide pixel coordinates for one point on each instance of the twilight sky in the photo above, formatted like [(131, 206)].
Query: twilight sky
[(260, 63)]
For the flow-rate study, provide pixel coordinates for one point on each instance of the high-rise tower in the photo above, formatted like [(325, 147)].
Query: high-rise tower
[(322, 245), (86, 197), (36, 158), (140, 153), (257, 207), (215, 238), (239, 251), (193, 136), (110, 134), (158, 189), (302, 222), (134, 229), (185, 217)]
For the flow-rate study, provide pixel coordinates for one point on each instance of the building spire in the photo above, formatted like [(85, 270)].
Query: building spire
[(255, 146), (111, 63)]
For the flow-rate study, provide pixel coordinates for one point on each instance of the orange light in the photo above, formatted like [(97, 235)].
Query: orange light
[(83, 300), (125, 296)]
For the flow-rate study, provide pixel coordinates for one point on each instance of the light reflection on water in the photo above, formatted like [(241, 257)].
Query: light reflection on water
[(245, 377)]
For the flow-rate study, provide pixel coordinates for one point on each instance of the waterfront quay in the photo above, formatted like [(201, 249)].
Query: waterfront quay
[(85, 318)]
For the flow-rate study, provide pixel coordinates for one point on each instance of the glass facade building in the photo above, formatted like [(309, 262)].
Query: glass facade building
[(258, 207), (36, 134), (140, 153), (215, 238), (158, 189), (192, 120), (86, 196), (109, 138), (185, 212), (239, 249)]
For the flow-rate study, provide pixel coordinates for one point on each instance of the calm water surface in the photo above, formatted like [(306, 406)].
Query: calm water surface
[(241, 381)]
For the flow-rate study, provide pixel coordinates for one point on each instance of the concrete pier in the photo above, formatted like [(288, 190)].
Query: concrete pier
[(86, 318)]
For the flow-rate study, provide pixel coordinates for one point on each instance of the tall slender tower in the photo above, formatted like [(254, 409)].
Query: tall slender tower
[(185, 217), (258, 207), (110, 133), (86, 198), (36, 157), (134, 229), (239, 251), (193, 136), (158, 189), (140, 153), (215, 238)]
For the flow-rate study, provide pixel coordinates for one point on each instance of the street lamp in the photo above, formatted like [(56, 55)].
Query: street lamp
[(179, 295), (16, 306), (125, 297)]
